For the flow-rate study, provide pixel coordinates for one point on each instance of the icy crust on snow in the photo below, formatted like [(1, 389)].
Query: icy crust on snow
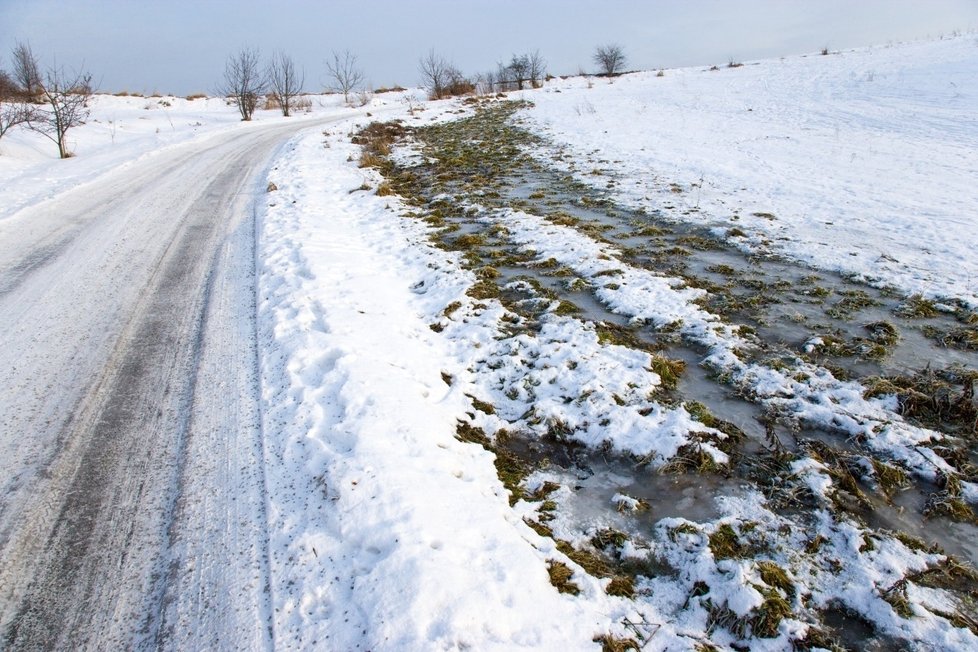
[(563, 379), (825, 563), (385, 531), (804, 393), (851, 567), (862, 161), (820, 562)]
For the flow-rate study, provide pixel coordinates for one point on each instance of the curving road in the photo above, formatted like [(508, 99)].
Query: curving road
[(132, 504)]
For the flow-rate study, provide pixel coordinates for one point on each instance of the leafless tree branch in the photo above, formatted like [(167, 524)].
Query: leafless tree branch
[(13, 111)]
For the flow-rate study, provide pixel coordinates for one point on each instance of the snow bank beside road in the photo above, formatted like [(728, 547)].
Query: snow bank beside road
[(863, 161), (386, 531)]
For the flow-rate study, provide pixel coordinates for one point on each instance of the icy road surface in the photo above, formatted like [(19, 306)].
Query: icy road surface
[(130, 461)]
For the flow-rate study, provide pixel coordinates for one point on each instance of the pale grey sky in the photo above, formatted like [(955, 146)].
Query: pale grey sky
[(179, 46)]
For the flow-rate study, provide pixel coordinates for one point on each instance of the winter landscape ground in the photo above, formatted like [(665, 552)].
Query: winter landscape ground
[(668, 360)]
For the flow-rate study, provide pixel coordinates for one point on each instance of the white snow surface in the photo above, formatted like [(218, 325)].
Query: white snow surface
[(861, 161), (388, 533)]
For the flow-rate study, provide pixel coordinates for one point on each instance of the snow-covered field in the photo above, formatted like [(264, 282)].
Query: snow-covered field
[(862, 161), (392, 381)]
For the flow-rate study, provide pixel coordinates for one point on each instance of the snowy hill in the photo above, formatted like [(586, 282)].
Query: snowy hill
[(862, 161)]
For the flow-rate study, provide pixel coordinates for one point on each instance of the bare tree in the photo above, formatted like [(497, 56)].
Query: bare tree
[(519, 70), (26, 71), (344, 74), (284, 82), (434, 71), (244, 81), (65, 105), (610, 58), (537, 68)]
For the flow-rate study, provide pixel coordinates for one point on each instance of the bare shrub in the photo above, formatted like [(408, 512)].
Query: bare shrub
[(13, 111), (244, 81), (345, 74), (442, 78), (284, 82), (485, 83), (459, 84), (363, 98), (304, 104), (8, 87), (610, 59)]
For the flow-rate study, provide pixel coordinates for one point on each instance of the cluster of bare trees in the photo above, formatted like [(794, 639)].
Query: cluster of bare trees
[(443, 79), (247, 80), (49, 104), (521, 69)]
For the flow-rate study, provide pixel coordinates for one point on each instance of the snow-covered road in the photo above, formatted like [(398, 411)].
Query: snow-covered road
[(130, 461)]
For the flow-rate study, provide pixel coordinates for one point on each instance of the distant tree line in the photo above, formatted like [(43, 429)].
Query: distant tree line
[(443, 79), (246, 80), (49, 102)]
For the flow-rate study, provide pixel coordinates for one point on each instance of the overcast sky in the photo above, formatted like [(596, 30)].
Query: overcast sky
[(179, 46)]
